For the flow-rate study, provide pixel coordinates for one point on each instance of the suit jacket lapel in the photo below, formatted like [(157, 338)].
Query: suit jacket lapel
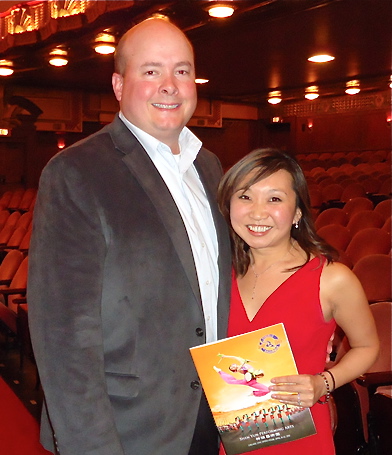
[(143, 169)]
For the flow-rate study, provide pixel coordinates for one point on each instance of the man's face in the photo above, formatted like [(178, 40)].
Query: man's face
[(157, 92)]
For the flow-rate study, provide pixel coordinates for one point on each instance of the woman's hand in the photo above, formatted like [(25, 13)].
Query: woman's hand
[(298, 390)]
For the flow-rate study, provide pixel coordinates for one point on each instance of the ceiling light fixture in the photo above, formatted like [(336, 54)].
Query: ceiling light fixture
[(200, 80), (221, 10), (275, 97), (6, 68), (58, 57), (311, 93), (104, 44), (352, 87), (321, 58)]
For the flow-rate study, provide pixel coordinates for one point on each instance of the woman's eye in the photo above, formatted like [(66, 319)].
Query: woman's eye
[(243, 196), (275, 199)]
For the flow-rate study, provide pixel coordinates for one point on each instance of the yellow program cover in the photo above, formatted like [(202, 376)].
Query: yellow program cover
[(235, 374)]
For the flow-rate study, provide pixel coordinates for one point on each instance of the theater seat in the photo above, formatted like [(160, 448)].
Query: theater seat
[(368, 241), (374, 272)]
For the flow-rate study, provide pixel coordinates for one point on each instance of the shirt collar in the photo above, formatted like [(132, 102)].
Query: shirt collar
[(189, 145)]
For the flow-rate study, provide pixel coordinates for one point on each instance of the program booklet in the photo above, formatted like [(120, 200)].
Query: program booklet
[(235, 374)]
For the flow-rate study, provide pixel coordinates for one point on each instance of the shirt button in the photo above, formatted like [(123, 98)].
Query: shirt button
[(199, 332), (208, 282), (195, 385)]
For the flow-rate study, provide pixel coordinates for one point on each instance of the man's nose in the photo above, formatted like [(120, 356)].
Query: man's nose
[(169, 86)]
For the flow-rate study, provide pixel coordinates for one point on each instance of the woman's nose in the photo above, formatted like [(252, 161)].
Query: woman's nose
[(258, 211)]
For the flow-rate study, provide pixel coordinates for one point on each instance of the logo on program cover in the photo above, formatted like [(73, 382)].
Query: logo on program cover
[(269, 343)]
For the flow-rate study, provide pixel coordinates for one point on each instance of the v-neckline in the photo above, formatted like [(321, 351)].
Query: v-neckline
[(272, 293)]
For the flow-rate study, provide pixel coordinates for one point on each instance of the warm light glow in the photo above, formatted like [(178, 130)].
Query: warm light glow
[(275, 97), (58, 57), (390, 82), (201, 81), (6, 68), (321, 58), (352, 87), (275, 119), (105, 44), (6, 71), (311, 93), (221, 11), (4, 132), (58, 61), (104, 48)]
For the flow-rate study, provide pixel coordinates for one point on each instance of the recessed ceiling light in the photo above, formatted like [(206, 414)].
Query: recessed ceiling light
[(352, 87), (275, 97), (311, 93), (201, 81), (104, 44), (58, 57), (220, 10), (6, 68), (321, 58)]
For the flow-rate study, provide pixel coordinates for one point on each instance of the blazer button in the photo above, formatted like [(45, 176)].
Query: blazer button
[(199, 332), (195, 385)]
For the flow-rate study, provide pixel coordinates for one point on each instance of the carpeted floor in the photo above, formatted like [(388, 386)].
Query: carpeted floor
[(19, 430)]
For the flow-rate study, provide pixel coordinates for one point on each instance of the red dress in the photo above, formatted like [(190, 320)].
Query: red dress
[(296, 303)]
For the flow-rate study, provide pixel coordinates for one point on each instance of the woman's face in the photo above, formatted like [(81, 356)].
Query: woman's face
[(264, 214)]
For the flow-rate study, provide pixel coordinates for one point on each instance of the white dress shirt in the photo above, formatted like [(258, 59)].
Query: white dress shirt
[(183, 182)]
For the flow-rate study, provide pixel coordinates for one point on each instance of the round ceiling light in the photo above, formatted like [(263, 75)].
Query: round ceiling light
[(321, 58), (275, 97), (6, 68), (221, 10)]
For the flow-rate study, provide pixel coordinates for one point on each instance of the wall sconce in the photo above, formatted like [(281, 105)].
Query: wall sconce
[(310, 124), (352, 87), (60, 141), (311, 93), (58, 57), (104, 44), (6, 68), (390, 82), (275, 97), (389, 119), (221, 10)]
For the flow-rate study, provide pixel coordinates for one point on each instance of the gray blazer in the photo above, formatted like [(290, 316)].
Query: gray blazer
[(114, 302)]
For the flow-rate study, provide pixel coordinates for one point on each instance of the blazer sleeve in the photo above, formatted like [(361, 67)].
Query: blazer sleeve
[(66, 260)]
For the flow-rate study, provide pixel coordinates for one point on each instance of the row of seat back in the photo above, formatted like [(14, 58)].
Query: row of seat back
[(20, 199), (14, 291), (16, 230), (379, 374)]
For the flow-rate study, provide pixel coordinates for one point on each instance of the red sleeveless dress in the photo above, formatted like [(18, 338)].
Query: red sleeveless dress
[(296, 303)]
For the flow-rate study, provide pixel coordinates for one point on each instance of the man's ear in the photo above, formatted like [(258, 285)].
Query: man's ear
[(117, 84)]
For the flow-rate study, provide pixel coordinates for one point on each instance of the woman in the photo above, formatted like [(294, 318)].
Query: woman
[(284, 272)]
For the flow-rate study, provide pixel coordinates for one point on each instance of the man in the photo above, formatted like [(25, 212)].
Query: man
[(130, 266)]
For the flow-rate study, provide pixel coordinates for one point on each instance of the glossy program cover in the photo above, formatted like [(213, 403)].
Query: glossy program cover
[(235, 374)]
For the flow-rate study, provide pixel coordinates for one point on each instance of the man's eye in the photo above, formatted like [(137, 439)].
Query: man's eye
[(183, 72), (150, 72)]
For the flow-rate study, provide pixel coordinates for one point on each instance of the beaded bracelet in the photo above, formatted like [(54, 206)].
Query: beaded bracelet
[(328, 394), (333, 380)]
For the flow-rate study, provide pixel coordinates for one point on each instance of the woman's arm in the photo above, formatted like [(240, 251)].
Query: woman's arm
[(342, 298)]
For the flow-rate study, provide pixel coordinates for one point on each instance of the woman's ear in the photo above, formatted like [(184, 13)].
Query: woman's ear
[(298, 216)]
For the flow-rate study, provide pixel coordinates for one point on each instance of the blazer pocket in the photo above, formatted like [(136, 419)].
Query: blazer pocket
[(122, 385)]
